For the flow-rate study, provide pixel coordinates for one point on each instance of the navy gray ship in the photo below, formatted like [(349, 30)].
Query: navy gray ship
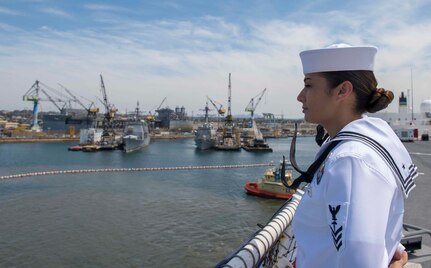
[(205, 135), (136, 134)]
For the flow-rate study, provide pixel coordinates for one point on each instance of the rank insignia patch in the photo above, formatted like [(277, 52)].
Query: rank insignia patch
[(337, 217)]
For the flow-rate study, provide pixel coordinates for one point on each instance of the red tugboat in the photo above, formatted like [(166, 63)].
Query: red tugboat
[(270, 184)]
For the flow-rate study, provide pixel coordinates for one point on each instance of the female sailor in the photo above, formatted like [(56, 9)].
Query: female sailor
[(351, 213)]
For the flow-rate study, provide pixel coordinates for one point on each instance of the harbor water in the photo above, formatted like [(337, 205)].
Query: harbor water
[(183, 218)]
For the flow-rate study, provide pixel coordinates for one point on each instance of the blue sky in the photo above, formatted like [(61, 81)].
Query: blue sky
[(184, 50)]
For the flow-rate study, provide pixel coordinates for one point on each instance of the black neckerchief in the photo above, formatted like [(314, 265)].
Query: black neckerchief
[(307, 176)]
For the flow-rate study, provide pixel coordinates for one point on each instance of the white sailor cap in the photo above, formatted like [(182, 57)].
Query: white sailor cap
[(338, 57)]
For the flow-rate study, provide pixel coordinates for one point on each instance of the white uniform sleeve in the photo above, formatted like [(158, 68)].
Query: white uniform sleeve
[(358, 199)]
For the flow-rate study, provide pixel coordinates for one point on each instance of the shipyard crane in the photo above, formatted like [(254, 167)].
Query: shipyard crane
[(150, 117), (160, 105), (230, 139), (220, 110), (110, 110), (33, 94), (104, 95), (229, 118), (92, 110), (251, 107)]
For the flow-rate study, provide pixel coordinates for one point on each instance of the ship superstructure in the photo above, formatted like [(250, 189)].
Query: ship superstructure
[(174, 120), (206, 133), (409, 126)]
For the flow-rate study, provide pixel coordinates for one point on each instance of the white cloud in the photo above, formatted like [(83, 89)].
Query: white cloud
[(100, 7), (8, 11), (8, 28), (55, 12), (104, 7), (170, 4), (186, 60)]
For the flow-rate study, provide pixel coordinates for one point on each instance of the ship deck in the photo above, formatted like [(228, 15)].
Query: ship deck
[(417, 211)]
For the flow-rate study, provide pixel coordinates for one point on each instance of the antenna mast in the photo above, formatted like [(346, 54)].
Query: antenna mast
[(411, 85)]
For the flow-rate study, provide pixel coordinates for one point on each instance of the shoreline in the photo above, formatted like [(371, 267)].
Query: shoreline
[(56, 139), (44, 139)]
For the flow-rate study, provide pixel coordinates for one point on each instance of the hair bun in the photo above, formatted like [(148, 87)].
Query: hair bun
[(387, 93), (379, 100)]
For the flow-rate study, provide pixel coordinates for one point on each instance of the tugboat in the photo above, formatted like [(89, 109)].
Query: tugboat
[(136, 134), (270, 184)]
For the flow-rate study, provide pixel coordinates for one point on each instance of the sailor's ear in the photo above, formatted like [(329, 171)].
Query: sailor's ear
[(344, 89)]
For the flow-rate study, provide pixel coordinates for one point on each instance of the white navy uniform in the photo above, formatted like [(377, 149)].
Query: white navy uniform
[(351, 214)]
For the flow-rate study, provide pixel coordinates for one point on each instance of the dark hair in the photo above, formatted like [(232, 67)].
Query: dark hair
[(368, 97)]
